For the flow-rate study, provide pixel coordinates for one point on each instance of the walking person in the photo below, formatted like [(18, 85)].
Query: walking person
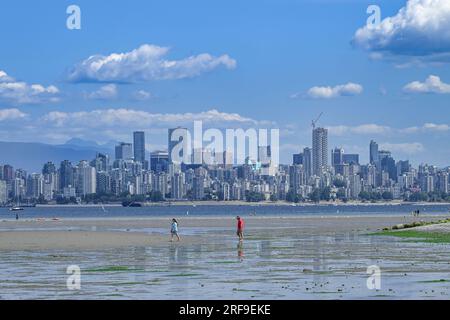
[(174, 230), (240, 228)]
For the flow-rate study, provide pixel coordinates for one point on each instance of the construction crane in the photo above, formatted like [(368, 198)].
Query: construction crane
[(313, 123)]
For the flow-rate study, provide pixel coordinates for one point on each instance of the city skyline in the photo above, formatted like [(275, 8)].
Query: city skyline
[(308, 178), (324, 155), (50, 92)]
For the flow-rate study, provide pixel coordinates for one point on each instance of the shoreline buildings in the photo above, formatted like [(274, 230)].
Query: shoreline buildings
[(311, 176)]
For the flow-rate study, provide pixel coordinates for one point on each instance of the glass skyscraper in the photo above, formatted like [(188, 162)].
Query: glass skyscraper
[(139, 146)]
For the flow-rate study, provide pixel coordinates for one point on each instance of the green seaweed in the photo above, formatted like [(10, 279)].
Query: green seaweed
[(418, 236), (223, 262), (183, 275), (245, 290), (113, 269), (434, 281)]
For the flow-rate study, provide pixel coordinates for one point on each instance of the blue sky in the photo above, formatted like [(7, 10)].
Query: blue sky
[(267, 63)]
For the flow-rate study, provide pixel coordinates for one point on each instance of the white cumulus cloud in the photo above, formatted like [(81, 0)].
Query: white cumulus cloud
[(19, 92), (106, 92), (427, 127), (433, 84), (11, 114), (405, 148), (420, 29), (327, 92), (146, 63)]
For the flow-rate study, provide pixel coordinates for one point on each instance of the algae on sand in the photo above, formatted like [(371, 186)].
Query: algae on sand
[(423, 236), (113, 269)]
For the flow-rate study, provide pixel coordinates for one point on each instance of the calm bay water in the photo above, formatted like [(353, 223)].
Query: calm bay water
[(220, 210)]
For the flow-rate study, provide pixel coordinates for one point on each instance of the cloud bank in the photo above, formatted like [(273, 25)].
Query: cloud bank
[(146, 63)]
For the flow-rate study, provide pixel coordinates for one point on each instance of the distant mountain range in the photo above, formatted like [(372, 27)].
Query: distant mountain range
[(32, 156)]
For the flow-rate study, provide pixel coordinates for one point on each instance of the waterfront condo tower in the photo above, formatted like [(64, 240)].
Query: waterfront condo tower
[(319, 150)]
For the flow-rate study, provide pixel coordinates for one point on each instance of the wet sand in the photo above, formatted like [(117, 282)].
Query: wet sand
[(115, 233), (80, 240), (307, 257)]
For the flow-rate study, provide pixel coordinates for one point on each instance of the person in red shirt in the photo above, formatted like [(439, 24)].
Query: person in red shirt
[(240, 228)]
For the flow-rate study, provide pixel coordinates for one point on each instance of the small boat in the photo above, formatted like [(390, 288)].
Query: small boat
[(131, 204), (16, 209)]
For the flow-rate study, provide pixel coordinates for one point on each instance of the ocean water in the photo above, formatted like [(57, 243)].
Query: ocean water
[(221, 210)]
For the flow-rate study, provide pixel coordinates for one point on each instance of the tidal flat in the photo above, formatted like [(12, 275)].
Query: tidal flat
[(305, 257)]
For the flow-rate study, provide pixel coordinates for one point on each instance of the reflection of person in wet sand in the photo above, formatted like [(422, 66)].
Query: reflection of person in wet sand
[(240, 228), (174, 230), (240, 248)]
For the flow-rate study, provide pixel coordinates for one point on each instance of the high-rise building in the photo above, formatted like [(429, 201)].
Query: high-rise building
[(225, 191), (177, 186), (18, 188), (86, 179), (35, 186), (124, 151), (178, 137), (427, 184), (198, 188), (8, 172), (373, 153), (264, 154), (297, 158), (387, 164), (343, 169), (139, 146), (350, 158), (159, 161), (159, 182), (103, 182), (296, 177), (101, 162), (319, 150), (307, 162), (3, 192), (403, 167), (443, 182), (49, 168), (355, 186), (66, 178), (337, 156)]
